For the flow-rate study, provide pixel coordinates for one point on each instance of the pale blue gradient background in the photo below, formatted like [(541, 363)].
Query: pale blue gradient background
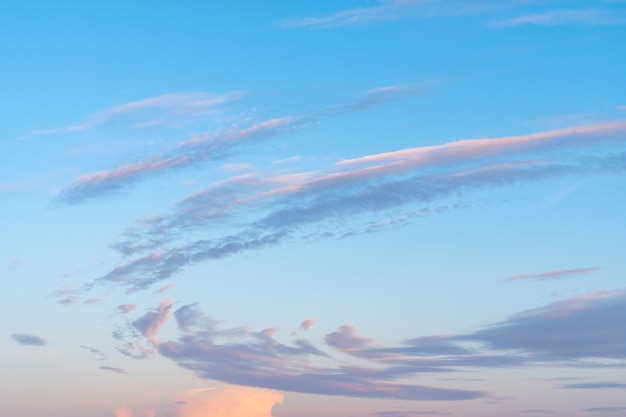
[(471, 73)]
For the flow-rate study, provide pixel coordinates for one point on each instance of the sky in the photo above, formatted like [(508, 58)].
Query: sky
[(365, 208)]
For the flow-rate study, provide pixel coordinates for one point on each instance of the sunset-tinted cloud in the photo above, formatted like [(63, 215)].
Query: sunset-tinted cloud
[(229, 401), (583, 331), (584, 327), (242, 357), (373, 208), (273, 209), (150, 323), (205, 147)]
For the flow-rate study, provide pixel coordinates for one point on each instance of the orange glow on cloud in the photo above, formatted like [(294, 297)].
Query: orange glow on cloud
[(230, 401), (127, 412)]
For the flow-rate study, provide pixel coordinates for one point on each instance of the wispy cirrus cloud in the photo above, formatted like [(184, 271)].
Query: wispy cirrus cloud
[(196, 150), (551, 275), (396, 9), (95, 351), (114, 370), (206, 147), (126, 308), (256, 211), (175, 109), (354, 16), (12, 267), (595, 385), (28, 339), (583, 331), (591, 17), (605, 409), (529, 13)]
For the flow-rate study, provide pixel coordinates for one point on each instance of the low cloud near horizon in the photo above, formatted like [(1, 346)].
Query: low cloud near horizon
[(28, 339), (225, 401)]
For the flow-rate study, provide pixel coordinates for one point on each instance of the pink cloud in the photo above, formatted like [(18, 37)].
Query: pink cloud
[(347, 339), (198, 149), (307, 324), (150, 324), (286, 205), (472, 149), (208, 146), (584, 331), (126, 308)]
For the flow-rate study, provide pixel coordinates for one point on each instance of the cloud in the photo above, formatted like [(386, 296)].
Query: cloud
[(592, 17), (139, 336), (307, 324), (550, 275), (127, 412), (93, 350), (394, 9), (261, 211), (410, 413), (206, 147), (347, 340), (595, 385), (118, 180), (126, 308), (123, 412), (13, 266), (15, 188), (169, 109), (229, 401), (112, 369), (432, 346), (584, 327), (403, 9), (258, 359), (28, 339), (150, 323), (579, 332), (472, 149), (345, 17), (605, 409)]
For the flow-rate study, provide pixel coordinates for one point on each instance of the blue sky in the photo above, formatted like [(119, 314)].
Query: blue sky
[(368, 208)]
